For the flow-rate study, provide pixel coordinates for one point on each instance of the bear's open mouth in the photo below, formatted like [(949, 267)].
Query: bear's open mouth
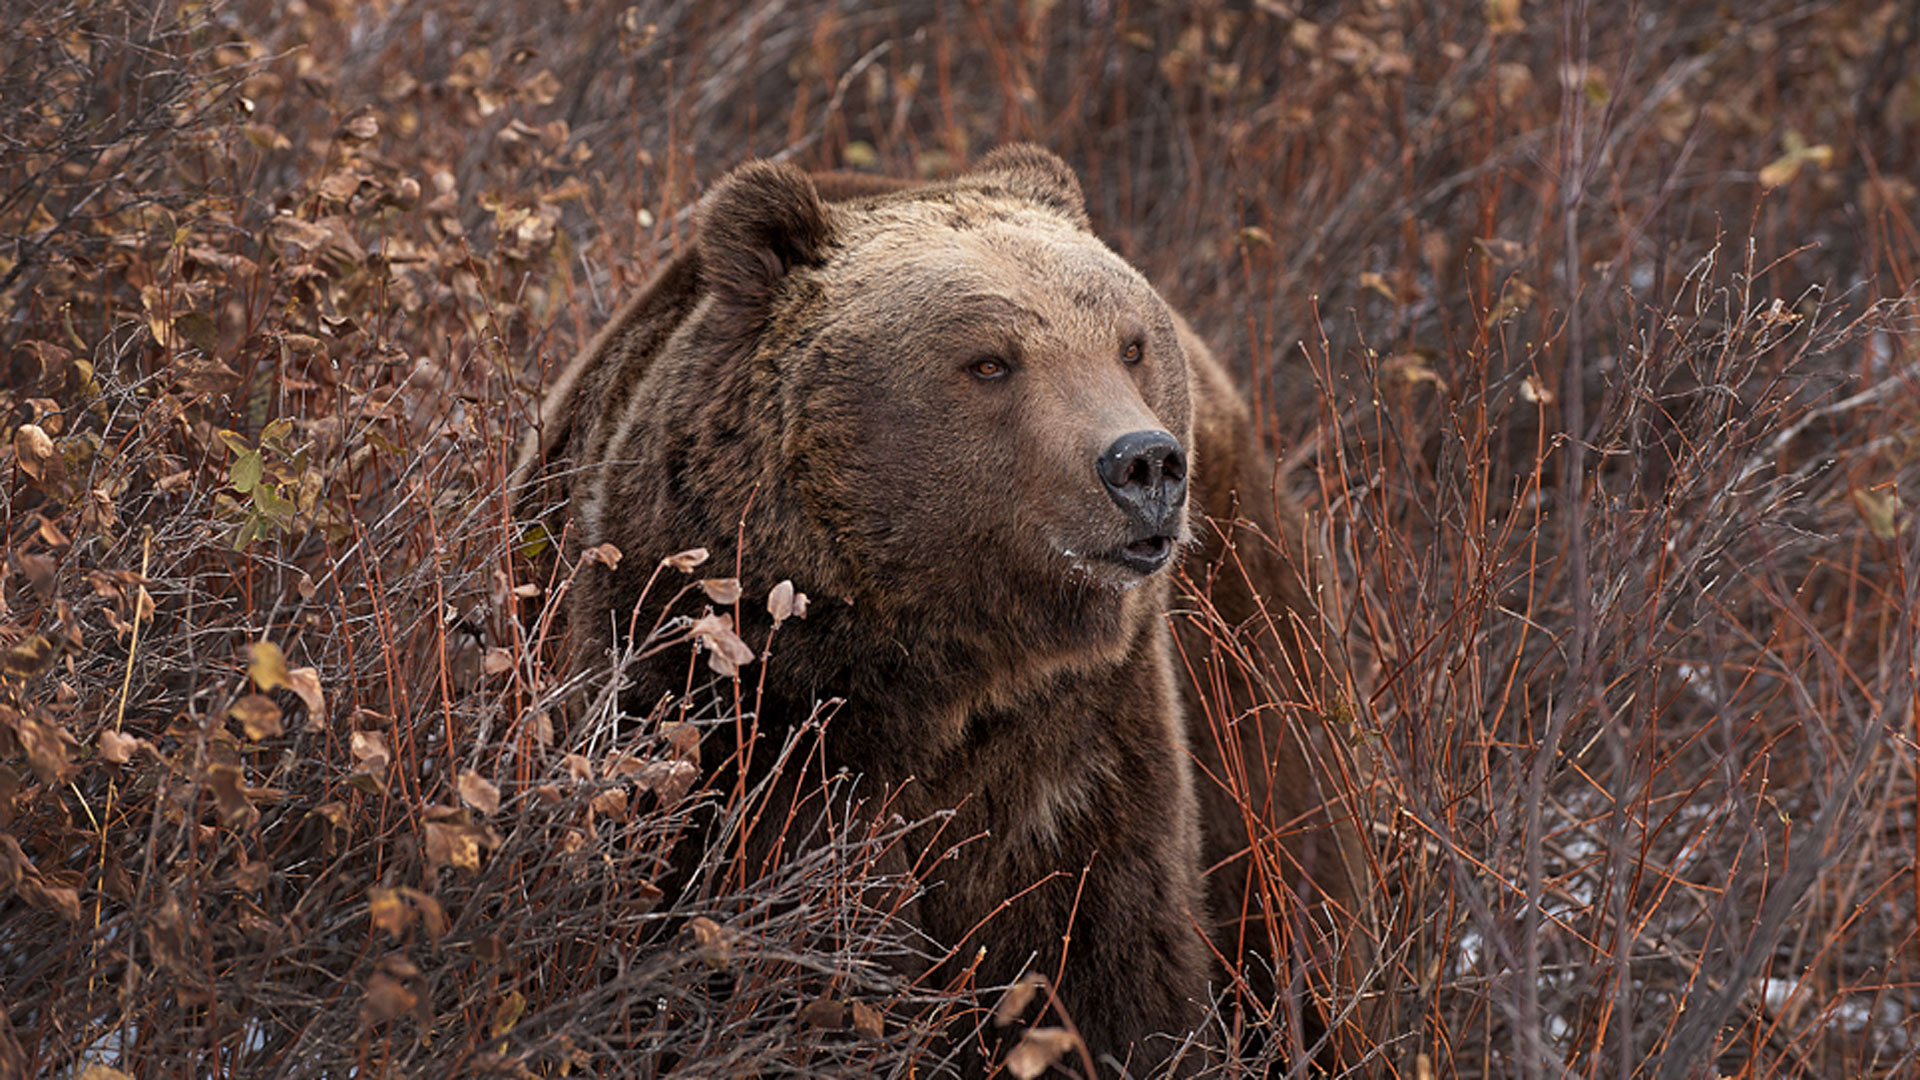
[(1144, 556)]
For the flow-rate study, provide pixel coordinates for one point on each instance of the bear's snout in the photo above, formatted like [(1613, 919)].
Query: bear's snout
[(1145, 473)]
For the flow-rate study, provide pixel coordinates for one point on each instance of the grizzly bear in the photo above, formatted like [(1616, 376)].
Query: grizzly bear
[(985, 448)]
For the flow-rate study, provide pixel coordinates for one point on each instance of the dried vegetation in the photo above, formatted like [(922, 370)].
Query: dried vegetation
[(1586, 330)]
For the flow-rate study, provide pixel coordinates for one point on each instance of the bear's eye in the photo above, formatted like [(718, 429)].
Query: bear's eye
[(1132, 353), (989, 367)]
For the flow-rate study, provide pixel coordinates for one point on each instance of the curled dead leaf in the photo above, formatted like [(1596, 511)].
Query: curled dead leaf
[(433, 917), (369, 749), (686, 560), (683, 739), (497, 661), (306, 683), (725, 651), (478, 792), (605, 554), (334, 813), (723, 591), (18, 871), (47, 745), (230, 793), (258, 716), (671, 780), (119, 748), (712, 941), (1039, 1048), (610, 803), (780, 602), (33, 451), (1013, 1004)]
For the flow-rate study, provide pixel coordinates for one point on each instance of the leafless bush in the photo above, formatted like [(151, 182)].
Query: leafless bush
[(1588, 331)]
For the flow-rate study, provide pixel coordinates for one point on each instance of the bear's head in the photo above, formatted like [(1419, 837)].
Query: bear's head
[(979, 405)]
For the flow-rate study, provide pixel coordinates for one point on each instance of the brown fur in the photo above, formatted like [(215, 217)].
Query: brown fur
[(804, 368)]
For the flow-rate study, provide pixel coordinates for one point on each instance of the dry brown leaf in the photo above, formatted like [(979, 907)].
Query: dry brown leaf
[(51, 535), (605, 554), (823, 1013), (230, 792), (119, 748), (686, 560), (306, 683), (497, 661), (578, 767), (867, 1020), (726, 653), (1039, 1048), (1013, 1004), (104, 1072), (388, 911), (780, 602), (457, 843), (29, 657), (712, 941), (250, 878), (267, 667), (610, 803), (452, 845), (33, 451), (387, 997), (432, 915), (683, 739), (722, 591), (1503, 17), (47, 745), (477, 792), (369, 749), (258, 716), (334, 813), (671, 780)]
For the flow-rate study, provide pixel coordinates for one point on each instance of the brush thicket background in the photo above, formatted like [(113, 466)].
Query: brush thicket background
[(1584, 327)]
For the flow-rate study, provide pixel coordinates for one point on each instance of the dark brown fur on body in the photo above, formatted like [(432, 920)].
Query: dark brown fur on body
[(808, 368)]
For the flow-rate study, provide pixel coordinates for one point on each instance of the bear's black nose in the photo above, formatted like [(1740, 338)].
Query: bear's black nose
[(1146, 474)]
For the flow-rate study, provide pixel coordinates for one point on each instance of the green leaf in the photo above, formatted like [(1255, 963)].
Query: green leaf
[(535, 540), (246, 471)]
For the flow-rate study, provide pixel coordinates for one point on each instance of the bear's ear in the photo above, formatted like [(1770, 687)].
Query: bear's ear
[(759, 223), (1035, 174)]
